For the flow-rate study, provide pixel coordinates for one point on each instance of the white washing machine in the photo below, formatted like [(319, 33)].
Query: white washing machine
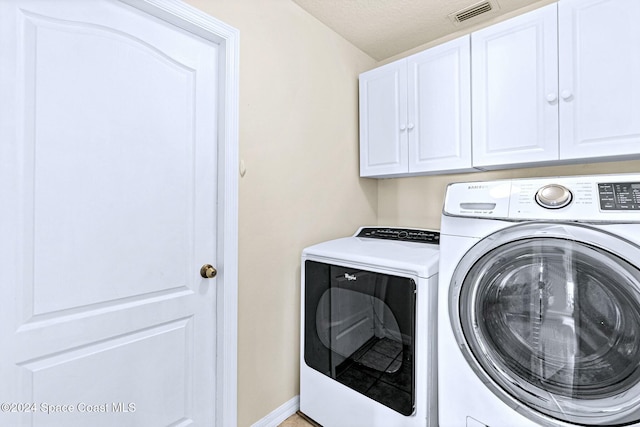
[(368, 331), (539, 302)]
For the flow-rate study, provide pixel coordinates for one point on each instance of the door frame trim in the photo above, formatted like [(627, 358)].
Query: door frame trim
[(226, 37)]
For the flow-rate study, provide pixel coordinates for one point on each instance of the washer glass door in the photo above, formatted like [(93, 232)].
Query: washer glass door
[(548, 315)]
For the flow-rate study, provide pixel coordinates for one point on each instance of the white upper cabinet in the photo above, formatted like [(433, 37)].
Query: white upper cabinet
[(515, 90), (599, 51), (383, 120), (415, 114), (439, 116), (559, 84)]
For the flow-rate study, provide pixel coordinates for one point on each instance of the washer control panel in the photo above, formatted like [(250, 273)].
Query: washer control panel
[(621, 196), (599, 198), (400, 234)]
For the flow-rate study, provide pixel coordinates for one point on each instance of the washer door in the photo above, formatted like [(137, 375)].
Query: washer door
[(548, 316)]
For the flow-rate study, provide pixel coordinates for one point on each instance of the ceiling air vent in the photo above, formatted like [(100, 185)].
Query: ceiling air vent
[(473, 11)]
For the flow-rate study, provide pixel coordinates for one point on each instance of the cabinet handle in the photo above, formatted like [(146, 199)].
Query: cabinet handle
[(552, 97), (403, 127), (410, 126), (566, 95)]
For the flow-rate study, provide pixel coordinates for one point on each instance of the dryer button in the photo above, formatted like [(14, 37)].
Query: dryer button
[(553, 196)]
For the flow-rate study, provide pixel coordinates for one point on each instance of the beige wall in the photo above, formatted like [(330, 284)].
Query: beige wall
[(299, 142)]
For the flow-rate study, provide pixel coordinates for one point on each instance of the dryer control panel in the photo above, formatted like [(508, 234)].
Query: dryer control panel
[(400, 234), (597, 198)]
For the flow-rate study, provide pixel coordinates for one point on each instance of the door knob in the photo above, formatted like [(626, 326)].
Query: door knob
[(208, 271)]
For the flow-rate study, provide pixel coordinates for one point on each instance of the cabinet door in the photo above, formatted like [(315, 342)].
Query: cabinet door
[(439, 115), (383, 118), (514, 90), (599, 78)]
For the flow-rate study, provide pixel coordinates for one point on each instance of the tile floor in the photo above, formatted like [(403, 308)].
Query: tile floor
[(296, 420)]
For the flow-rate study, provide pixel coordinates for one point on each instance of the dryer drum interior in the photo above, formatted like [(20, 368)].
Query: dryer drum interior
[(555, 323)]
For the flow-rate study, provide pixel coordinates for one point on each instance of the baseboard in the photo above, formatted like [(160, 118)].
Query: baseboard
[(280, 414)]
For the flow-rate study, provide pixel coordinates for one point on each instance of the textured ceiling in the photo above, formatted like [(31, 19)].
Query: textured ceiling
[(384, 28)]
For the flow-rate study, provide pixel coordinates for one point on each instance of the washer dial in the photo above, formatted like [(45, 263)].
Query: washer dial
[(553, 196)]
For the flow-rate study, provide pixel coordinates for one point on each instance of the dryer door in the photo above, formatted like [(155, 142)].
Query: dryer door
[(359, 329), (548, 315)]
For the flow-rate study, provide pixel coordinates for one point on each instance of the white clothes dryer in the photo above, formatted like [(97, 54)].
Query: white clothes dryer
[(539, 302), (368, 331)]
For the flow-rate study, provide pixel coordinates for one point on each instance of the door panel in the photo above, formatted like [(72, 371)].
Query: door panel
[(598, 77), (151, 171), (514, 70), (109, 183), (130, 389), (383, 118), (439, 106)]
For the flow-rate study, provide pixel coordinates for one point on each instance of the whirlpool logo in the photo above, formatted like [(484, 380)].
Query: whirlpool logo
[(476, 187)]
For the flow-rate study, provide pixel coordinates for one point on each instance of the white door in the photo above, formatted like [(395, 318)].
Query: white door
[(108, 192), (439, 91), (383, 120), (514, 90), (599, 88)]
